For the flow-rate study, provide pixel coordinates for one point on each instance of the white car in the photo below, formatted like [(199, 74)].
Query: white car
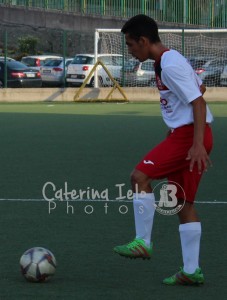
[(82, 65), (36, 61)]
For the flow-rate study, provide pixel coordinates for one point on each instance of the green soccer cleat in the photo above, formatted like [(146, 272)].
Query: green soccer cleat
[(185, 279), (135, 249)]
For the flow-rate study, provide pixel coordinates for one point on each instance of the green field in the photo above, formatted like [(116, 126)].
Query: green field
[(95, 146)]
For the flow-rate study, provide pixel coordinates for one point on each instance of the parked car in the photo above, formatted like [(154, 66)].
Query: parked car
[(36, 61), (2, 58), (52, 72), (82, 65), (197, 61), (19, 75), (223, 78), (210, 72), (137, 73)]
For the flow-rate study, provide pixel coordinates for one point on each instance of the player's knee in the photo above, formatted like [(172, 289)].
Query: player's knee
[(136, 177), (139, 179)]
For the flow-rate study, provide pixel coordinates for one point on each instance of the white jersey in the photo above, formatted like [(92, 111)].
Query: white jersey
[(179, 85)]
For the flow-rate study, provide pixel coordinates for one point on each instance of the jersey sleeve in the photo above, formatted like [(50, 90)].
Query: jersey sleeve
[(183, 82), (198, 79)]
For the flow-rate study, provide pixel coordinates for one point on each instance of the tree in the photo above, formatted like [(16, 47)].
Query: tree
[(27, 44)]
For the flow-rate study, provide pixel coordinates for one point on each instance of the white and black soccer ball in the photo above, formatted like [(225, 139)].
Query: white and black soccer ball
[(38, 264)]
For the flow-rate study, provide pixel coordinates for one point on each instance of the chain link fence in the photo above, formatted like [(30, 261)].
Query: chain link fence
[(16, 43), (199, 47)]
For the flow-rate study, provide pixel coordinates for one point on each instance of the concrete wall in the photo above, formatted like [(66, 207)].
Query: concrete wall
[(64, 21), (67, 95), (55, 20), (48, 26)]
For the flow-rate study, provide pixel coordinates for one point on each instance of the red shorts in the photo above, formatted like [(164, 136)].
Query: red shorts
[(168, 160)]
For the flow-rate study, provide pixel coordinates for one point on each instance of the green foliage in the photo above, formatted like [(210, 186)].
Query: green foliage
[(27, 44)]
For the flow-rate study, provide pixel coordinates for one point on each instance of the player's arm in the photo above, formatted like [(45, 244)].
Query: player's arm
[(197, 153), (202, 88)]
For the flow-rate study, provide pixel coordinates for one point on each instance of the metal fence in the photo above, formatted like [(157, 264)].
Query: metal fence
[(209, 13), (198, 46), (15, 44)]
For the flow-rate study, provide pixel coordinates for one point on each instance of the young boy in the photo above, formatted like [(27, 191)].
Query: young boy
[(181, 158)]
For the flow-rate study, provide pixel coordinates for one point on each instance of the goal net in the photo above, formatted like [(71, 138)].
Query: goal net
[(205, 49)]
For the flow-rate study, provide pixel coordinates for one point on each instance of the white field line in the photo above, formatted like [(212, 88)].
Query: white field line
[(99, 200)]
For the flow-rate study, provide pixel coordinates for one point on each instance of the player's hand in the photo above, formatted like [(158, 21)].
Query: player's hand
[(197, 155)]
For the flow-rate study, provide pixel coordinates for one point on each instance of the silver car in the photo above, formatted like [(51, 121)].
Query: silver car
[(210, 72), (52, 73), (223, 78), (37, 61), (136, 73), (2, 58)]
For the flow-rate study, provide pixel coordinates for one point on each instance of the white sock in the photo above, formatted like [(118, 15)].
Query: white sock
[(190, 234), (144, 214)]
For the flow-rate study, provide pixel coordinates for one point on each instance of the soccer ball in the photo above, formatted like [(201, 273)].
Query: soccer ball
[(38, 264)]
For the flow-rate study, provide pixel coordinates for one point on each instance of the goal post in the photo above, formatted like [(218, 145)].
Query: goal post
[(97, 48), (200, 46)]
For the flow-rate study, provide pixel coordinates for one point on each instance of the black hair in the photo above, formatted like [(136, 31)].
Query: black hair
[(142, 25)]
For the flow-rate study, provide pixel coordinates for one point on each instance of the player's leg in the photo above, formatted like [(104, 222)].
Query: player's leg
[(155, 164), (190, 226), (188, 214), (190, 235), (143, 204)]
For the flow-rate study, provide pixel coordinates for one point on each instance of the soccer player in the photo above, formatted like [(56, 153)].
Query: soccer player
[(182, 157)]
